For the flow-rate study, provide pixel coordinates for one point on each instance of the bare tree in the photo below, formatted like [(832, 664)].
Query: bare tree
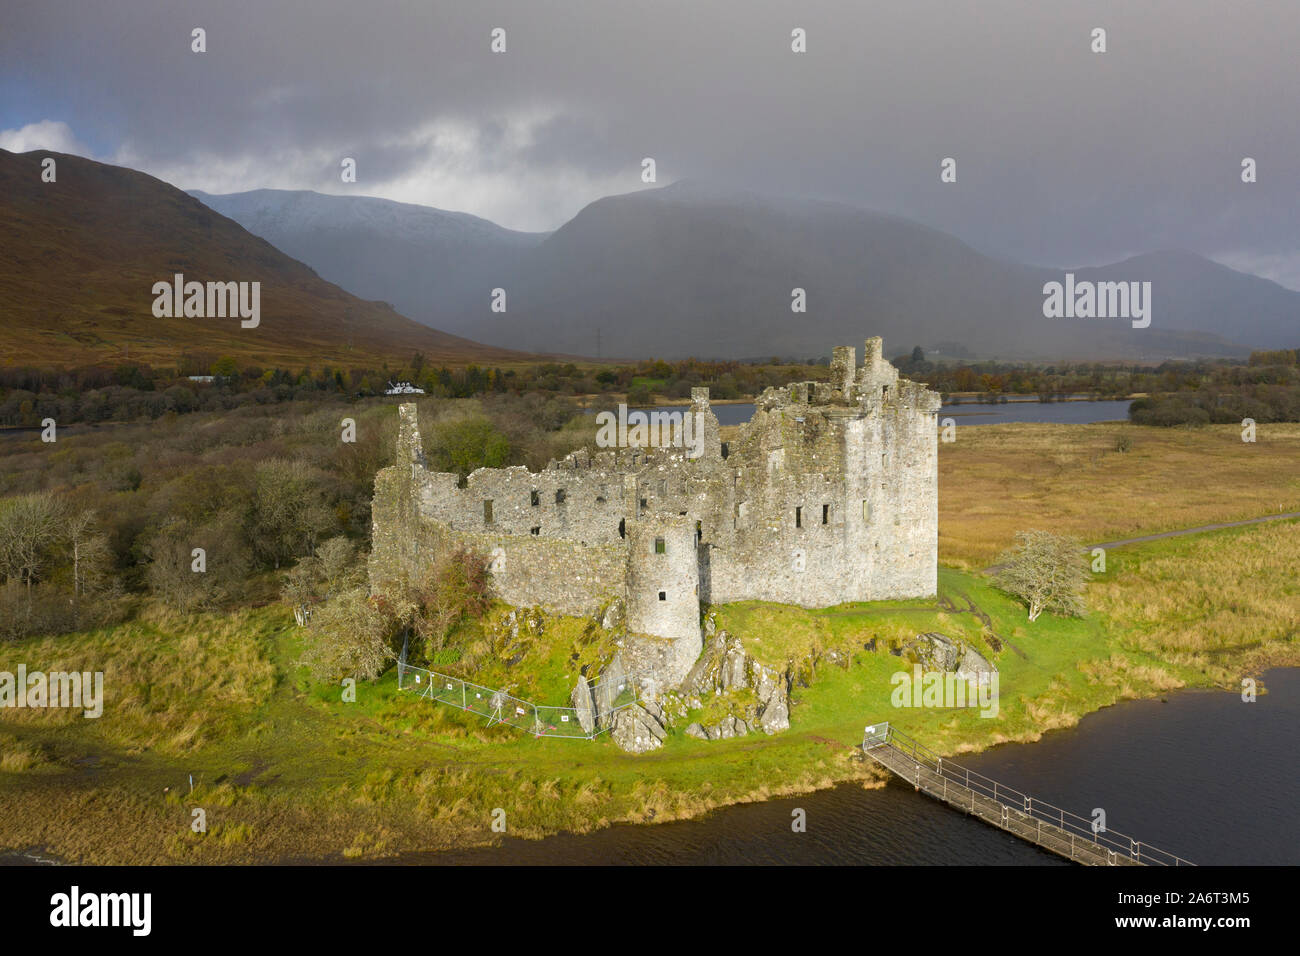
[(289, 511), (1046, 571), (91, 556), (30, 526)]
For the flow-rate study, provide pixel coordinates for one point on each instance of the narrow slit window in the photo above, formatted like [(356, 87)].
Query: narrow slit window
[(826, 514), (560, 496), (798, 517), (660, 547), (663, 595), (487, 510), (536, 498)]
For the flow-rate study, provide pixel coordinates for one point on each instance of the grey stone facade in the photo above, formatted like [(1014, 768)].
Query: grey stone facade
[(829, 494)]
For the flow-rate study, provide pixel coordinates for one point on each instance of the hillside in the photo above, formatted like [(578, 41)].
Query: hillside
[(79, 257), (433, 265), (698, 269)]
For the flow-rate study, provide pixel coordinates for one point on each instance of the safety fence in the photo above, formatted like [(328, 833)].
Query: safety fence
[(609, 696)]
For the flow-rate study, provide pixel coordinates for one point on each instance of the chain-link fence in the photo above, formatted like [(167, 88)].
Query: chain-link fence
[(499, 707)]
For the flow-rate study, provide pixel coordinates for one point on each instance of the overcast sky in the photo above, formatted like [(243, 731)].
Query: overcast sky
[(1064, 156)]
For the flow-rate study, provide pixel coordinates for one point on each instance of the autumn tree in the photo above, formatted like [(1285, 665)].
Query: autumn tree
[(1046, 571), (289, 512), (348, 636), (189, 581), (30, 528)]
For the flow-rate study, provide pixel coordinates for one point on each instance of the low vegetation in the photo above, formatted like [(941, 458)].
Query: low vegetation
[(221, 684), (1077, 480)]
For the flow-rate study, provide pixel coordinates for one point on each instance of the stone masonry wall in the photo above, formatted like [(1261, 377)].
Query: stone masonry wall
[(828, 495)]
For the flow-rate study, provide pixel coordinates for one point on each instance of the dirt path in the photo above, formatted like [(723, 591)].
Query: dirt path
[(1174, 534)]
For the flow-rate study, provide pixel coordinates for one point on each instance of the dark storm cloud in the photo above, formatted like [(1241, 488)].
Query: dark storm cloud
[(1064, 156)]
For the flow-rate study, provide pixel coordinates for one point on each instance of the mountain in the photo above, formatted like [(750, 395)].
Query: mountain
[(697, 269), (693, 270), (79, 258), (433, 265)]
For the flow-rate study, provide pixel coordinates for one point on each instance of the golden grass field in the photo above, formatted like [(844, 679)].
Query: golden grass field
[(996, 480)]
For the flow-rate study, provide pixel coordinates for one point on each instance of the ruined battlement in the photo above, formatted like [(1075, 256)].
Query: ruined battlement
[(829, 494)]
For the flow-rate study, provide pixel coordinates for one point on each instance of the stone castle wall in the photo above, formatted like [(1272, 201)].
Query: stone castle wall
[(829, 494)]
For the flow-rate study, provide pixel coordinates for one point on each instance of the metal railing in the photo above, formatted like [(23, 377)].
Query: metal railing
[(1111, 842), (500, 707)]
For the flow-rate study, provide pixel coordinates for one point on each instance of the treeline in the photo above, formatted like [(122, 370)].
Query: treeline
[(214, 509), (140, 392), (1266, 388)]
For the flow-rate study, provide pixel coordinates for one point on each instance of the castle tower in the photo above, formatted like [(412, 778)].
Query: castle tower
[(705, 425), (876, 375), (663, 579), (843, 369)]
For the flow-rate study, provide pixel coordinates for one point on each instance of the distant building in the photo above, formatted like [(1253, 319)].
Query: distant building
[(201, 378), (403, 388)]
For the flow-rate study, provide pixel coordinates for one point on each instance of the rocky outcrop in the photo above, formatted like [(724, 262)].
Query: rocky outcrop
[(615, 615), (937, 652), (639, 728), (727, 727), (726, 667), (756, 696), (584, 703), (607, 687)]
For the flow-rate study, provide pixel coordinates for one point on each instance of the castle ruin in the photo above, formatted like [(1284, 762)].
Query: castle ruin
[(829, 494)]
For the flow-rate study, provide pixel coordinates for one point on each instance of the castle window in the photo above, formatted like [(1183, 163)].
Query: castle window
[(726, 450), (622, 527), (536, 498), (826, 514), (798, 517), (699, 531), (663, 595), (866, 510), (660, 547), (487, 510), (799, 562), (560, 496), (643, 505), (536, 531)]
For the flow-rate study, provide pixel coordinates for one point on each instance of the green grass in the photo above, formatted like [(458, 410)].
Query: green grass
[(287, 770)]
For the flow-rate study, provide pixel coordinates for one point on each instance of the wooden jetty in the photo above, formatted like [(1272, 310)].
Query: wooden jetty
[(1054, 829)]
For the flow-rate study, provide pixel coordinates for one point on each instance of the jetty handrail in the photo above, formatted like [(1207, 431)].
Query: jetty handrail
[(884, 734)]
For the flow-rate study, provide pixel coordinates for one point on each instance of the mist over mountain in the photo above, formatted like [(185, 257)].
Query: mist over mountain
[(79, 258), (700, 269), (430, 264)]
